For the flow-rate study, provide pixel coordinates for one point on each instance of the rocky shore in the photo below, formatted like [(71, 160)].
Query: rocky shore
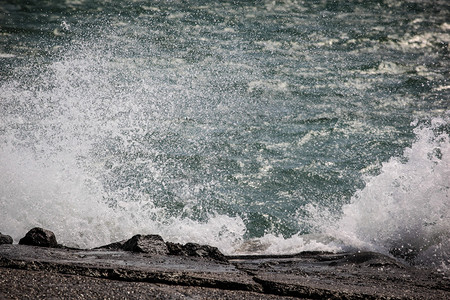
[(147, 267)]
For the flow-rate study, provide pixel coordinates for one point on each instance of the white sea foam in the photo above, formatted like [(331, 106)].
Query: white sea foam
[(274, 85), (386, 68), (422, 41), (406, 208), (7, 55), (273, 244), (52, 175), (41, 193), (60, 196), (73, 126)]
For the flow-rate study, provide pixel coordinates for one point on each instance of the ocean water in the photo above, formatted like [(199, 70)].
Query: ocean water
[(254, 126)]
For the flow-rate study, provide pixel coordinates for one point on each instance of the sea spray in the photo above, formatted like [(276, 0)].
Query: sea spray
[(405, 210), (255, 128), (61, 198), (73, 157)]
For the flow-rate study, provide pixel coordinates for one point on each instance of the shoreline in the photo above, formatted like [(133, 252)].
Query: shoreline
[(150, 269)]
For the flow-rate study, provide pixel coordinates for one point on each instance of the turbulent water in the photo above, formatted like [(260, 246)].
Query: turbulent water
[(253, 126)]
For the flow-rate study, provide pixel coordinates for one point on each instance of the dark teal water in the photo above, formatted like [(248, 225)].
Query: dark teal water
[(270, 126)]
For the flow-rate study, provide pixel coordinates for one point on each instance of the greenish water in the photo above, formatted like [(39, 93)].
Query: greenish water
[(289, 125)]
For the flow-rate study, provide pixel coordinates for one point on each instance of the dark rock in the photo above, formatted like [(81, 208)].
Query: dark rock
[(39, 237), (369, 259), (193, 249), (113, 246), (204, 251), (151, 244), (176, 249), (128, 266), (407, 253), (5, 239), (155, 245)]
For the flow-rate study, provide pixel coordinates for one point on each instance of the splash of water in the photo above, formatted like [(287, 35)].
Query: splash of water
[(74, 158), (89, 144), (405, 210), (60, 197)]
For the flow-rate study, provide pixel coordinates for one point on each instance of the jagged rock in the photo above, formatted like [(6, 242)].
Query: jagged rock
[(151, 244), (5, 239), (193, 249), (204, 251), (39, 237), (176, 249), (155, 245)]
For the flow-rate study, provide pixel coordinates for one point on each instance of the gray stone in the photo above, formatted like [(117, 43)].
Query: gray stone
[(406, 252), (176, 249), (39, 237), (155, 245), (193, 249), (204, 251), (5, 239), (152, 244)]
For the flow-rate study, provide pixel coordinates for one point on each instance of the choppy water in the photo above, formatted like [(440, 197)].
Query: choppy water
[(254, 126)]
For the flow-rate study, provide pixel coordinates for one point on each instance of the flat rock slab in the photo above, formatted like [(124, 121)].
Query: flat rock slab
[(122, 265), (309, 275), (33, 285), (365, 275)]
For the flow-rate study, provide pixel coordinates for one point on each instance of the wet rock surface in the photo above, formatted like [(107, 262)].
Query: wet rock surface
[(22, 284), (146, 266), (196, 250), (151, 244), (154, 244), (128, 266), (5, 239), (39, 237), (308, 275), (363, 275)]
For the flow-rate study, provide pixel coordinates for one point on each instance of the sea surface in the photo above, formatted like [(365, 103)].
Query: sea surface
[(254, 126)]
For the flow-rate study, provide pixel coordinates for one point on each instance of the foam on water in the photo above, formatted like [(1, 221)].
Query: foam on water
[(51, 175), (405, 210), (65, 129), (203, 130), (61, 196), (50, 195)]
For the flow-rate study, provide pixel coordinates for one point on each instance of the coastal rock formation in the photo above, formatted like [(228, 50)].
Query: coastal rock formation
[(193, 249), (5, 239), (308, 275), (155, 245), (152, 244), (157, 268), (39, 237)]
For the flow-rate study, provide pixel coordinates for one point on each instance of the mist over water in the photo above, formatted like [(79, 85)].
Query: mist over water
[(265, 127)]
